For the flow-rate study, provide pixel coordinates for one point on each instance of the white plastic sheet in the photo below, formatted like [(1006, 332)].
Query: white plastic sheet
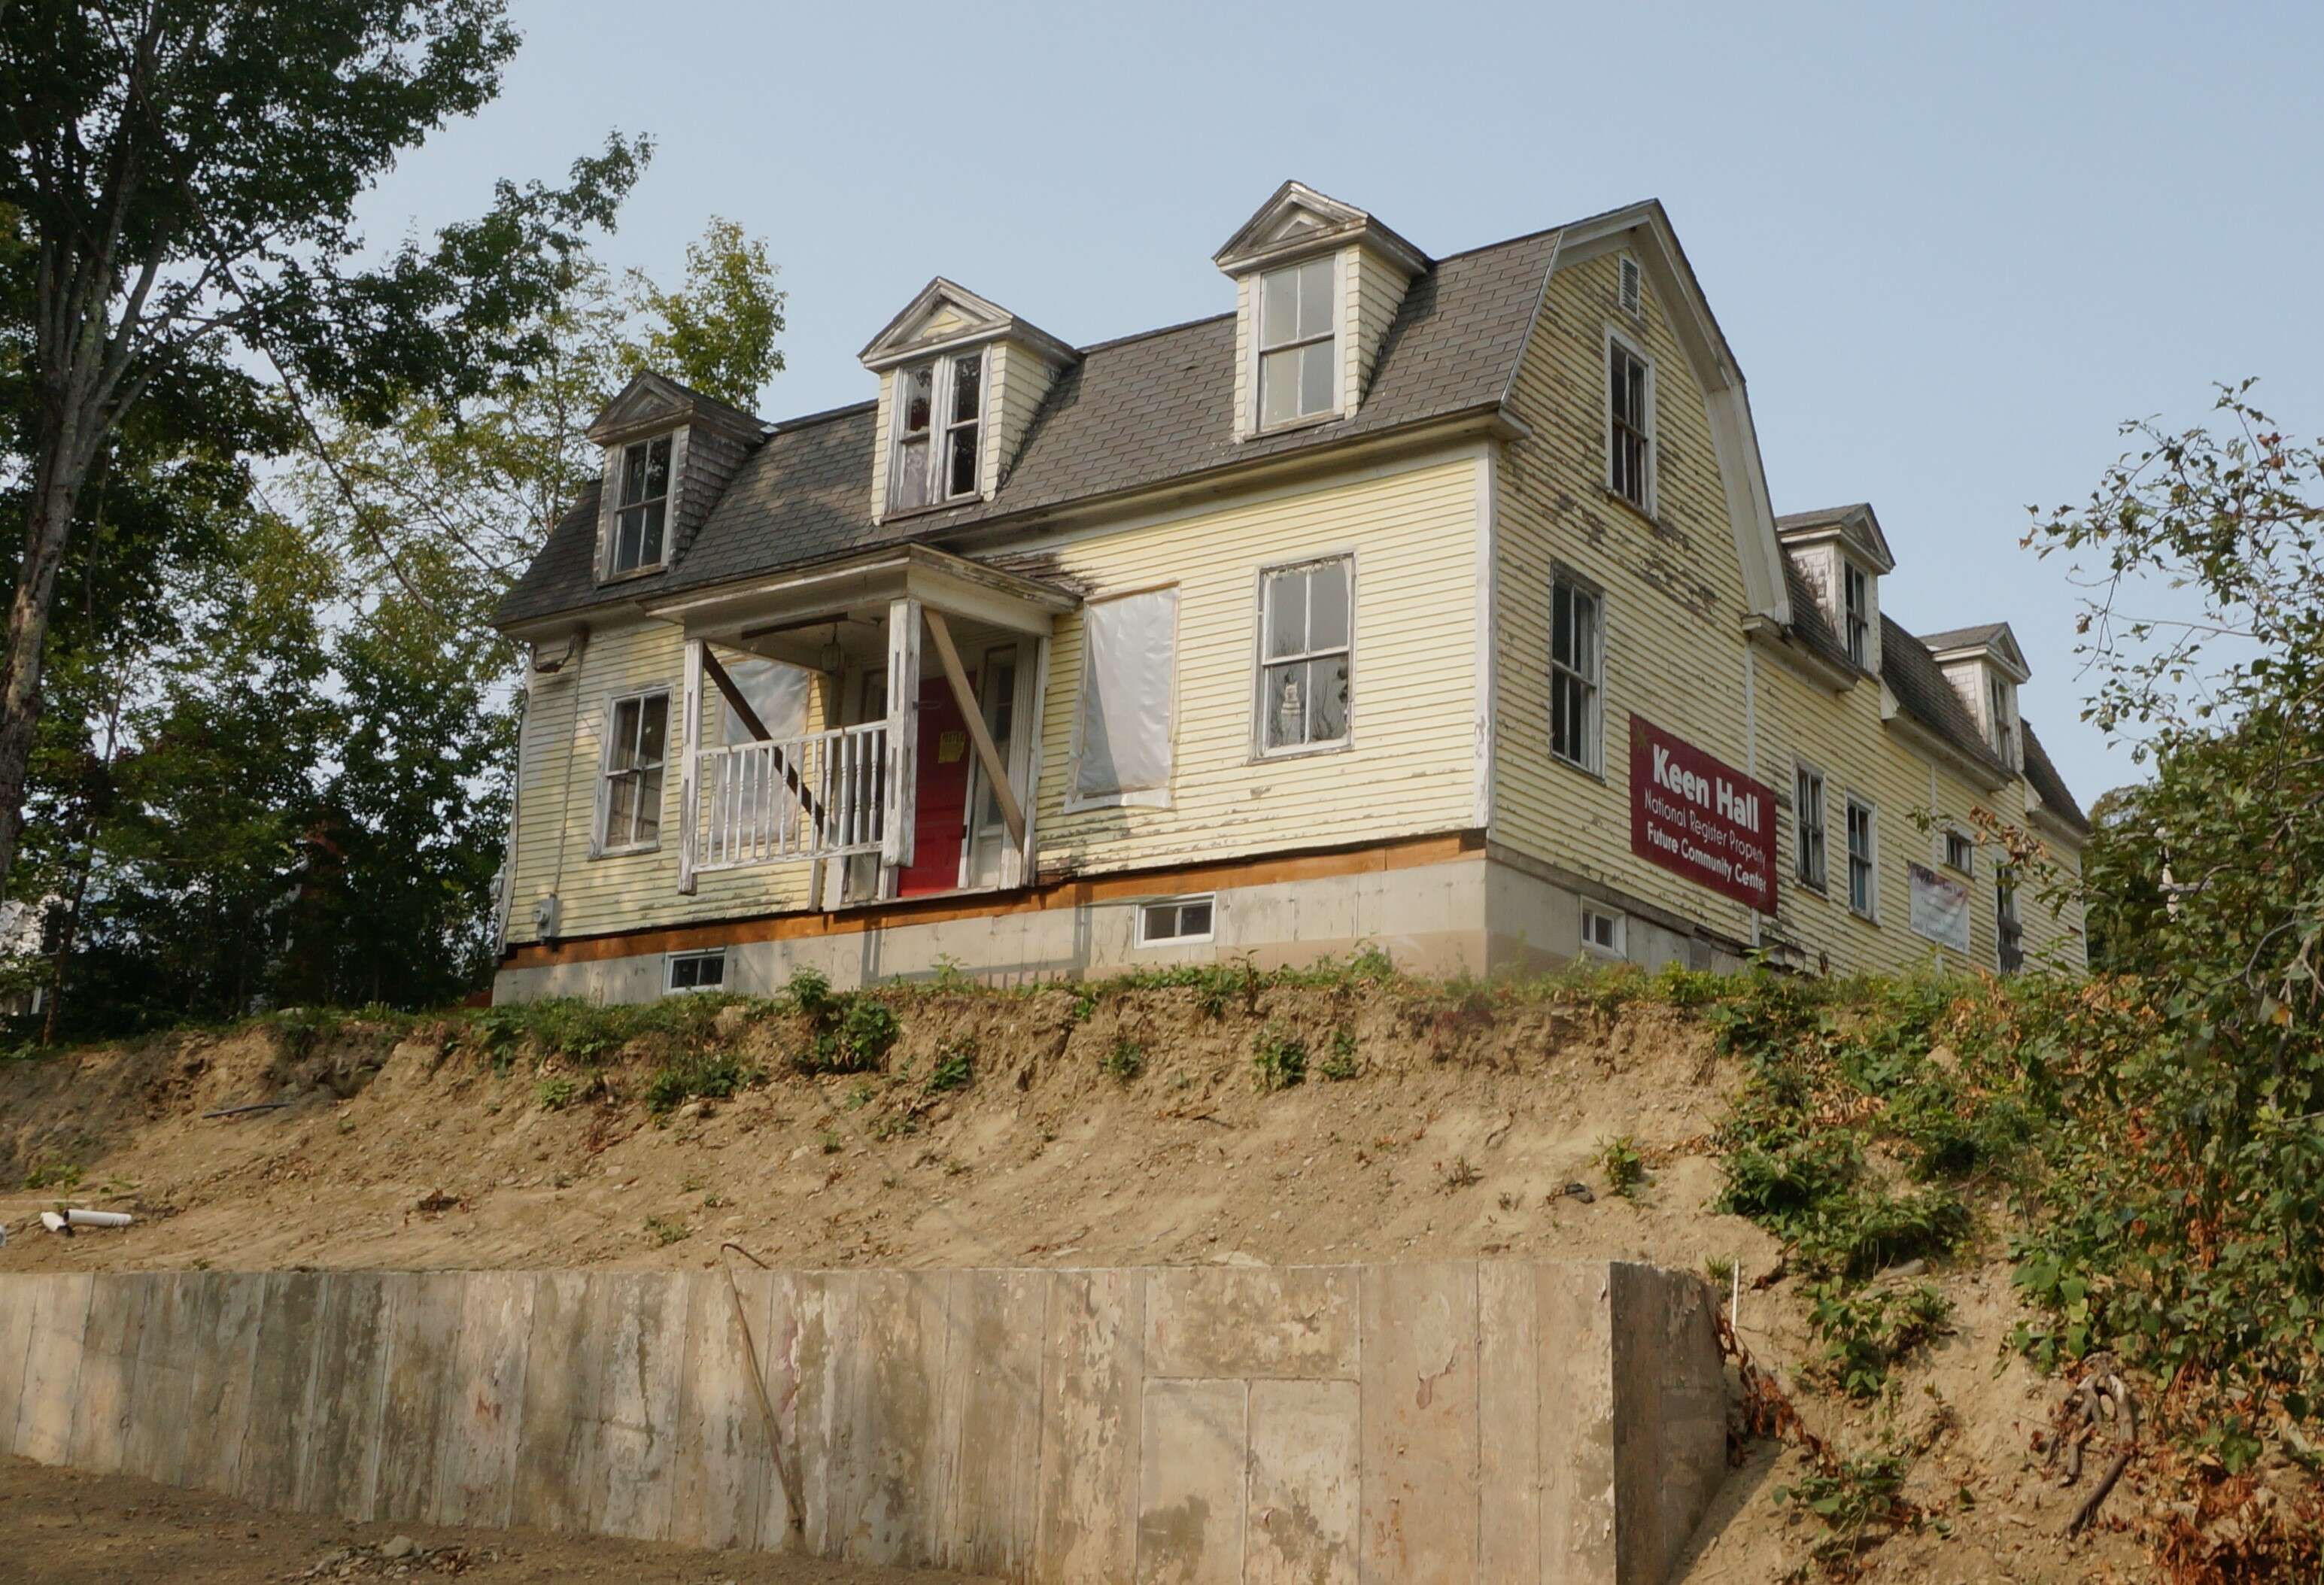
[(1129, 669), (776, 691), (1940, 909)]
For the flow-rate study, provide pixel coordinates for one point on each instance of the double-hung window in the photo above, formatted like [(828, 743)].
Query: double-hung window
[(1863, 861), (1855, 596), (2009, 936), (1629, 425), (1576, 656), (1960, 851), (1306, 630), (1996, 704), (641, 510), (636, 742), (939, 406), (1298, 361), (1807, 811)]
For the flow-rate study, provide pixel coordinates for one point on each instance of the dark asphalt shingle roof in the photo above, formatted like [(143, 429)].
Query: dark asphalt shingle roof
[(1962, 637), (2047, 785), (1143, 411)]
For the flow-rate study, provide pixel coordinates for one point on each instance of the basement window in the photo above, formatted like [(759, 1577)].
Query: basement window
[(696, 971), (939, 410), (641, 516), (1178, 921), (1298, 361), (1604, 932)]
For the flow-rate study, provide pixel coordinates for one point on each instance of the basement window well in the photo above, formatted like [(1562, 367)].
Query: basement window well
[(1178, 921), (696, 971)]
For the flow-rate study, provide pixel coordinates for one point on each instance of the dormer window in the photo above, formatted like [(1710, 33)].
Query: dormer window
[(1998, 714), (1856, 599), (1298, 346), (939, 409), (641, 516)]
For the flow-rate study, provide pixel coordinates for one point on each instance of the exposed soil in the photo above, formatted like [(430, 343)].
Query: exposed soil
[(65, 1527), (1457, 1137)]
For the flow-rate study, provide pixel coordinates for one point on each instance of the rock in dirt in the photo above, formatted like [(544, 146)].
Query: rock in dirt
[(402, 1546)]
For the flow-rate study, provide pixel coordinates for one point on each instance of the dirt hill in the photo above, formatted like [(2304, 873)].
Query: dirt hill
[(1335, 1117)]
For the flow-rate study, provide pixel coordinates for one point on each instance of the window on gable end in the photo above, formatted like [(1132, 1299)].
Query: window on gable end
[(642, 510), (1629, 425), (1856, 599), (1576, 674), (939, 412), (1298, 342)]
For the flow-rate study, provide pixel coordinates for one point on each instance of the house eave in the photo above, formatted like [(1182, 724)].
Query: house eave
[(1776, 639)]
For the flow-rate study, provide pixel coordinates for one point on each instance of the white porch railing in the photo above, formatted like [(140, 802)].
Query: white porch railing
[(815, 797)]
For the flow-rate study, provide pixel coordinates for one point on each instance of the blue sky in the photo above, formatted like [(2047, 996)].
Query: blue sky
[(1951, 246)]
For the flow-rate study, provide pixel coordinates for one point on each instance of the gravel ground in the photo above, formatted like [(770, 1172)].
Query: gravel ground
[(66, 1527)]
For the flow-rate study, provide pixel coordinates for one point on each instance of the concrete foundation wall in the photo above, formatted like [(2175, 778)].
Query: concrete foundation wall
[(1476, 1420), (1466, 915)]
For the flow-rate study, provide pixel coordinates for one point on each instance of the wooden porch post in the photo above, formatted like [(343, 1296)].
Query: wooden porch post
[(1029, 725), (899, 802), (689, 787), (972, 715)]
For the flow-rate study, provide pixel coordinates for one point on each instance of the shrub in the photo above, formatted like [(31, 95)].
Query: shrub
[(555, 1095), (955, 1069), (1279, 1058), (1864, 1331), (1625, 1169), (1125, 1061), (1339, 1065), (54, 1175), (711, 1078)]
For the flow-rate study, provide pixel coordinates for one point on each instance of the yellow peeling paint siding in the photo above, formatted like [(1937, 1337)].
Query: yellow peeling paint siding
[(1410, 768), (1916, 798), (1020, 379), (563, 758), (1672, 588)]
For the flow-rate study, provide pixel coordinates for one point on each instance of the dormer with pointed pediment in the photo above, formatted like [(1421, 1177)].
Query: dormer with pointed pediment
[(670, 452), (1985, 667), (960, 380), (1841, 554), (1317, 283)]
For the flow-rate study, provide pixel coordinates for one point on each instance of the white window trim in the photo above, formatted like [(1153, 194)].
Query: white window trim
[(601, 848), (1850, 575), (1258, 425), (1944, 856), (669, 970), (1821, 886), (941, 424), (1147, 797), (608, 507), (1594, 765), (1617, 336), (1620, 949), (1870, 913), (1258, 660), (1146, 903)]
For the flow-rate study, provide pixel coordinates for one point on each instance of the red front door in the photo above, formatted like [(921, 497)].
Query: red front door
[(942, 794)]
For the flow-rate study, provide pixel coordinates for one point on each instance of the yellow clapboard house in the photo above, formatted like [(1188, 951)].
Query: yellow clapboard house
[(1436, 604)]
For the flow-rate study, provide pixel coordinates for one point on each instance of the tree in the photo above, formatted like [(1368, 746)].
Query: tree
[(717, 332), (183, 175)]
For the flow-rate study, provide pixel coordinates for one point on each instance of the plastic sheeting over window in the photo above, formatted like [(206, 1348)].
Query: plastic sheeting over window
[(777, 693), (1129, 666)]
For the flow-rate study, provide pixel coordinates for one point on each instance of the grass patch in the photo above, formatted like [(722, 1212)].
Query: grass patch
[(701, 1076), (1124, 1062)]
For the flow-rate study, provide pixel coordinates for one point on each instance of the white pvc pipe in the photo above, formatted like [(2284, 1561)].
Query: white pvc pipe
[(52, 1221), (98, 1218)]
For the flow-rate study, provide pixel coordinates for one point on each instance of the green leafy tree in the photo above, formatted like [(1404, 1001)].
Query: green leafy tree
[(182, 175), (716, 332), (2186, 1228)]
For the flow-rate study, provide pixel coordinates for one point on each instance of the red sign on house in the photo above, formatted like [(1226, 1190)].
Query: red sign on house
[(1699, 818)]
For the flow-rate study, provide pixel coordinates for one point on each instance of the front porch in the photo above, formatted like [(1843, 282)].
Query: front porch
[(916, 755)]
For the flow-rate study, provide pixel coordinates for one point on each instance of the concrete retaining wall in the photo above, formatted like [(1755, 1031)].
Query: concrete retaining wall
[(1474, 1420)]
